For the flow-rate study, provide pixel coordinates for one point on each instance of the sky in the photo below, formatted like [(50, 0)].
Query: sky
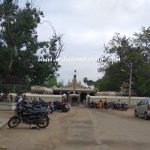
[(86, 25)]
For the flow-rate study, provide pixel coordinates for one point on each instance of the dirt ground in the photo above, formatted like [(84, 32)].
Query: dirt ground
[(81, 128)]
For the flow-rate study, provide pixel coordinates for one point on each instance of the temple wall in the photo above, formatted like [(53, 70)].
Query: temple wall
[(133, 102)]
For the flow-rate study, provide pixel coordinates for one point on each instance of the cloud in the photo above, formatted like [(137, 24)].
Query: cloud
[(87, 25)]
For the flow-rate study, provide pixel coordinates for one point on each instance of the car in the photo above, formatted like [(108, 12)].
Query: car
[(142, 109)]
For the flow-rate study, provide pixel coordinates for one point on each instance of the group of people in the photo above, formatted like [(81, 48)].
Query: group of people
[(5, 97), (102, 103), (20, 97)]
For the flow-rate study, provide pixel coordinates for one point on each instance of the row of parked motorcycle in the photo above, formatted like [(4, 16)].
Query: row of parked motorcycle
[(35, 112), (122, 106)]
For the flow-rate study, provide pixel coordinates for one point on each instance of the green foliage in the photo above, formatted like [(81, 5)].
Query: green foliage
[(89, 83), (19, 44), (112, 80), (85, 80), (143, 86), (127, 51), (105, 84), (52, 81)]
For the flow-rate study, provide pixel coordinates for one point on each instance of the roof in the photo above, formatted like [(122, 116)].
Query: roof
[(71, 89)]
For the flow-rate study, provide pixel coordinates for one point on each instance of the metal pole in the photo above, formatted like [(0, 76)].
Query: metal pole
[(130, 84), (14, 88)]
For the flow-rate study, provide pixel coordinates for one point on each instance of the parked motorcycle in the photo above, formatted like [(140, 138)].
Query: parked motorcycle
[(122, 106), (29, 114), (61, 106), (118, 106), (51, 107), (93, 105), (42, 103)]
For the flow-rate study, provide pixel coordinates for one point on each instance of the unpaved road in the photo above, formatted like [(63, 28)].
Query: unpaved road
[(83, 129)]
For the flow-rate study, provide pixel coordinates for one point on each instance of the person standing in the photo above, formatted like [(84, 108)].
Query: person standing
[(100, 104)]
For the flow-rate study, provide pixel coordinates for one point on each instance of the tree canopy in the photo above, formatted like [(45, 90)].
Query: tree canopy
[(19, 46), (126, 51), (89, 83)]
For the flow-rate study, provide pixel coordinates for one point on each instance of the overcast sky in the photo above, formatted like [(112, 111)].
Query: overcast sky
[(87, 25)]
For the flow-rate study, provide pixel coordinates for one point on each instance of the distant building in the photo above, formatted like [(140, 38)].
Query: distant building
[(80, 89), (73, 87)]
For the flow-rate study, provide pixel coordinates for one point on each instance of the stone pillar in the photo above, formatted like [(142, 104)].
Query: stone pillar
[(87, 100)]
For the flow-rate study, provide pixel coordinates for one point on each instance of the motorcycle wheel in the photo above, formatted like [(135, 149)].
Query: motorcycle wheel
[(44, 122), (13, 122), (65, 110)]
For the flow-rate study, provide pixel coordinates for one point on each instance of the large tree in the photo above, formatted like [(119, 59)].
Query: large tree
[(19, 45), (127, 51)]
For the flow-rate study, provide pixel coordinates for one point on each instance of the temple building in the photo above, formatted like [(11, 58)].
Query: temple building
[(73, 87), (79, 89)]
